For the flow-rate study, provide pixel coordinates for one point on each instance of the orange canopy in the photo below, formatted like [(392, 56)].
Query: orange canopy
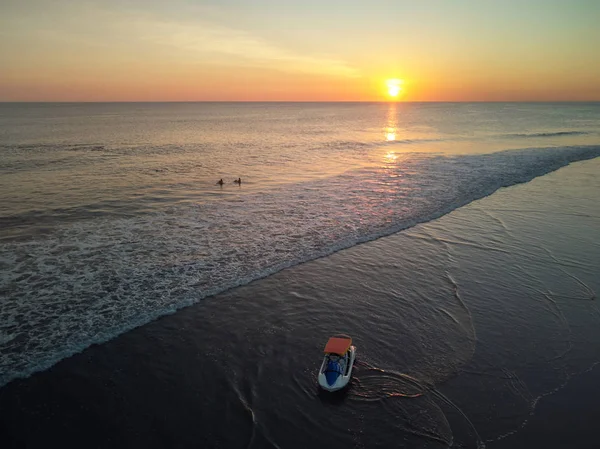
[(338, 345)]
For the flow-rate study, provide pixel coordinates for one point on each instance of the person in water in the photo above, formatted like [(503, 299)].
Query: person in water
[(238, 181), (220, 182)]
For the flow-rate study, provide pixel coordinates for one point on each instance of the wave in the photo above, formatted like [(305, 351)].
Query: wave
[(550, 134), (92, 280)]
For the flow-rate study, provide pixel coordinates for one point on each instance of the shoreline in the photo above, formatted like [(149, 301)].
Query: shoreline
[(243, 276), (421, 288)]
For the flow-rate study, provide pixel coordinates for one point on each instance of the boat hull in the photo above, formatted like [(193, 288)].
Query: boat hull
[(343, 379)]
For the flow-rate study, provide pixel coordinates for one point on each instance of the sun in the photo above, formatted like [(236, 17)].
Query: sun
[(394, 87)]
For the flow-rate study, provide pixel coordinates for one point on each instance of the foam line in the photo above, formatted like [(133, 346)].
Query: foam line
[(92, 280)]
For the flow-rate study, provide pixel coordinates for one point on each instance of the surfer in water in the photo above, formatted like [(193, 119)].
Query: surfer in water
[(220, 182), (238, 181)]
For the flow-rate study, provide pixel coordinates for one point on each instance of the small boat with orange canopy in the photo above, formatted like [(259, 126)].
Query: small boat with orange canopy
[(336, 368)]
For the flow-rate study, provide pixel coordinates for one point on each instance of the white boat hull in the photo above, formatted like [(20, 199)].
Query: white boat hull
[(342, 379)]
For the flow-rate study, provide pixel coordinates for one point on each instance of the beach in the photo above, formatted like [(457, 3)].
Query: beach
[(498, 320), (197, 318)]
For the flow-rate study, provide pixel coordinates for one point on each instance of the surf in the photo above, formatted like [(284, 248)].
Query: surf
[(92, 280)]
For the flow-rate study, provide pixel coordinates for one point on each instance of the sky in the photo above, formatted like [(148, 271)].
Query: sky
[(299, 50)]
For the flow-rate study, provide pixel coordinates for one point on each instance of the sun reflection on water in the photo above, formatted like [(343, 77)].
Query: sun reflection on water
[(391, 125)]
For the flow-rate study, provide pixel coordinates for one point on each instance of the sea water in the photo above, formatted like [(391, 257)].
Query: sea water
[(111, 215)]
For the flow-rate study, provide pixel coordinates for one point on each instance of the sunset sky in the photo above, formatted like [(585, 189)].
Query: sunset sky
[(300, 50)]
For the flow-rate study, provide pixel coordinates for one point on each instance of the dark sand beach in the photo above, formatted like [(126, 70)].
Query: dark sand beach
[(477, 329), (197, 195)]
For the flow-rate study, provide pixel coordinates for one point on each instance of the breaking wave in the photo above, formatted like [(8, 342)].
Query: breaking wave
[(550, 134), (91, 280)]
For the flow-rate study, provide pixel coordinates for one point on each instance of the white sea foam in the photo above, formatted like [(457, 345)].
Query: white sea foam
[(94, 279)]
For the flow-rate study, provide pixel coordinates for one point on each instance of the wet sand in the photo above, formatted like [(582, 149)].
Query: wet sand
[(476, 329)]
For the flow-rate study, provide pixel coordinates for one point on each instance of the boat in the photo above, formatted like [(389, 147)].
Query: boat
[(336, 368)]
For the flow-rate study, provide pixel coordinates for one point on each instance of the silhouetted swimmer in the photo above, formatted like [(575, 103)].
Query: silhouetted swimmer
[(220, 182), (238, 181)]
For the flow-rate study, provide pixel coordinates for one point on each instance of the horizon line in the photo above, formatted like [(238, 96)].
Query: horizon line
[(292, 101)]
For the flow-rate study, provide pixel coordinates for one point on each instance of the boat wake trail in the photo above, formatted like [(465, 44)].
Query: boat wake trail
[(375, 384), (423, 408)]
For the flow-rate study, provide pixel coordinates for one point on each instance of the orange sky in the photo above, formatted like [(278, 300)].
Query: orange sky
[(299, 51)]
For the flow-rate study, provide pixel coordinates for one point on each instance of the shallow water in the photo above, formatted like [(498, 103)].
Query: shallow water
[(464, 326), (111, 217), (464, 323), (75, 161)]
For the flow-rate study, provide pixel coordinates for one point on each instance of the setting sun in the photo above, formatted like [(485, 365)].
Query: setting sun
[(394, 87)]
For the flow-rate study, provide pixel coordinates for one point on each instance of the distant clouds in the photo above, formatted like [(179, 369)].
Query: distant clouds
[(188, 50), (74, 28), (215, 43)]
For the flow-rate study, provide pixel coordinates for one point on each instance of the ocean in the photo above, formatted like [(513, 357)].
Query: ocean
[(143, 304)]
